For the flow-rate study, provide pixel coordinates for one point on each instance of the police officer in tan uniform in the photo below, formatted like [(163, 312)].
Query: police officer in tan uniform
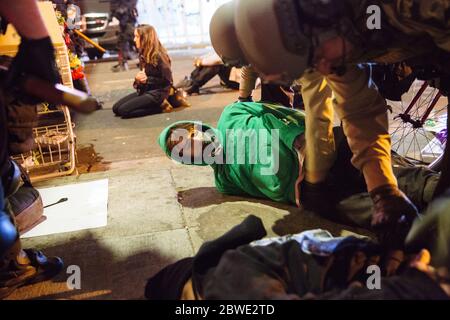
[(322, 41)]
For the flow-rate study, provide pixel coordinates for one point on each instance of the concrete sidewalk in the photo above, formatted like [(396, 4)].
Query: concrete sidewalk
[(158, 211)]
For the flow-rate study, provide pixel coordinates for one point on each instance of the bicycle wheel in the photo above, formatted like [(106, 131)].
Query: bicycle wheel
[(418, 124)]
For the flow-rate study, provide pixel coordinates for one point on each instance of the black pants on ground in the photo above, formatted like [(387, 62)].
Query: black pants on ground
[(134, 105), (201, 75)]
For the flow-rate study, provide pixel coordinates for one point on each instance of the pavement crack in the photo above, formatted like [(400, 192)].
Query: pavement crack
[(183, 217)]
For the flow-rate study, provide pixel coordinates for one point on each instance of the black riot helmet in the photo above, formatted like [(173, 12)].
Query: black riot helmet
[(278, 37), (223, 36)]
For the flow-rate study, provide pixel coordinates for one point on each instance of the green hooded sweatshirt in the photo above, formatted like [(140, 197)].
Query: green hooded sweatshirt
[(264, 134)]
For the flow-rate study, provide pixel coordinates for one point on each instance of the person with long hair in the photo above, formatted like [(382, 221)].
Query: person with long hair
[(153, 82)]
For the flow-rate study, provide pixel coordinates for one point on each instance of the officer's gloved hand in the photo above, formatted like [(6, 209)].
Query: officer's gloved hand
[(317, 197), (393, 216), (34, 58)]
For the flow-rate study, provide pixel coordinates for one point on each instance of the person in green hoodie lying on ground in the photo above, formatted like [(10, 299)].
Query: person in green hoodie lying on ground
[(258, 150)]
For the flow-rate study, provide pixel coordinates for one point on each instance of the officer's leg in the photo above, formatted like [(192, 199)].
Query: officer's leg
[(316, 194), (365, 121), (123, 53), (320, 146)]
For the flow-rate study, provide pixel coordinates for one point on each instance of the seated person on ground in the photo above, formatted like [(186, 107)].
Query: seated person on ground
[(153, 83), (206, 68), (312, 265), (274, 170)]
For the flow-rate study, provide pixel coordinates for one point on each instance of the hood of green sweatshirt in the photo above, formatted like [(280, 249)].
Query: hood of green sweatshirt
[(162, 139)]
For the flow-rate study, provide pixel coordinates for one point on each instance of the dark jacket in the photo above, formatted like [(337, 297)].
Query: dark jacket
[(159, 80)]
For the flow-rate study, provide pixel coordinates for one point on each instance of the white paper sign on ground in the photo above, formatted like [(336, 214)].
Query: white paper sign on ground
[(86, 208)]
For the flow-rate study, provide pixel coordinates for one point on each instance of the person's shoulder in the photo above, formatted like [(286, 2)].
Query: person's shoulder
[(164, 59)]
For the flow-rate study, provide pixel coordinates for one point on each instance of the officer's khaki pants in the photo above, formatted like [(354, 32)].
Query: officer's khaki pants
[(363, 113)]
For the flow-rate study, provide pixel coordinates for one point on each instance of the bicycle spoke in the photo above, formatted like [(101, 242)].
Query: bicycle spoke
[(410, 137), (409, 147)]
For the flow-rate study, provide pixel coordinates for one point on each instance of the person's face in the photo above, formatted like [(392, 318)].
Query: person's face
[(329, 56), (137, 39), (191, 144)]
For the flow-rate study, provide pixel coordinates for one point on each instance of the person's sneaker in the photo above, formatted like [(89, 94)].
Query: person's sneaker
[(31, 266), (186, 82), (166, 107)]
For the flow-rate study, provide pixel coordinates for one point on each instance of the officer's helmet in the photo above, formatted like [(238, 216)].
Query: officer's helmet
[(223, 36), (270, 36)]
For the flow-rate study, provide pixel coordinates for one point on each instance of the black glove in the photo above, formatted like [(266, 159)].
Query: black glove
[(393, 216), (35, 58), (318, 197)]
